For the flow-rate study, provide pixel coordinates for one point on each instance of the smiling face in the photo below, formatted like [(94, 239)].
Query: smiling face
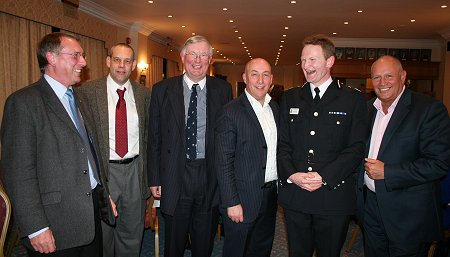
[(120, 64), (388, 79), (66, 64), (315, 67), (196, 58), (258, 78)]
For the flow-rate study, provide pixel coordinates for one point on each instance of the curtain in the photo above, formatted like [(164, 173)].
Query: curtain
[(95, 57), (172, 69), (19, 66), (156, 70)]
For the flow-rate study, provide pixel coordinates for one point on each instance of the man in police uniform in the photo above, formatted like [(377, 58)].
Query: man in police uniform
[(322, 141)]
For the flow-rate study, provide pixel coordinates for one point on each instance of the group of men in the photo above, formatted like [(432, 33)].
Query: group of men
[(79, 163)]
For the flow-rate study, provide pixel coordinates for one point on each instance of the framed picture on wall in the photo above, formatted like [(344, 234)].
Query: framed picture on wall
[(404, 54), (425, 55), (360, 53), (381, 52), (394, 52), (371, 53), (349, 53), (414, 54), (339, 52)]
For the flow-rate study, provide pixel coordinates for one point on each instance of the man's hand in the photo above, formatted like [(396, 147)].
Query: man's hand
[(309, 181), (44, 242), (236, 213), (113, 206), (156, 191), (374, 168)]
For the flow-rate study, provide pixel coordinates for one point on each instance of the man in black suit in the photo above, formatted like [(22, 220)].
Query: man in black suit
[(246, 147), (50, 169), (180, 156), (322, 139), (399, 199)]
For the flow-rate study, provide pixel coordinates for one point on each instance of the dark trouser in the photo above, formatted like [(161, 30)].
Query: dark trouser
[(125, 238), (308, 232), (192, 216), (253, 239), (94, 249), (376, 242)]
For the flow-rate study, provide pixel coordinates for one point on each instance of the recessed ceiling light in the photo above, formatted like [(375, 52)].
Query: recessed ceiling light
[(243, 43), (346, 22), (236, 31), (183, 26), (193, 33), (239, 37), (225, 9), (286, 27), (284, 35), (413, 20), (245, 47), (221, 53), (392, 30), (231, 21), (246, 50), (281, 45), (360, 11), (218, 51), (443, 6), (150, 2), (289, 16), (334, 33), (169, 16), (282, 41), (293, 2)]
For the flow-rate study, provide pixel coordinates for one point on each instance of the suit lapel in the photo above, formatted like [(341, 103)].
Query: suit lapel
[(55, 105), (331, 93), (400, 112), (176, 99), (101, 98), (139, 98), (252, 115)]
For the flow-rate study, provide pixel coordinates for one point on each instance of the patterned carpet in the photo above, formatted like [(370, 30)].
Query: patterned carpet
[(279, 245)]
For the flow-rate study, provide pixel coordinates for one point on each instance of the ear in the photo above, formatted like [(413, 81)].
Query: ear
[(50, 56), (330, 61), (403, 76), (134, 65), (244, 78), (108, 61)]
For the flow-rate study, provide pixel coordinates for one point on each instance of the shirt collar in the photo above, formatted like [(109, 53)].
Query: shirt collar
[(113, 86), (189, 82), (254, 102), (59, 89), (377, 103), (322, 87)]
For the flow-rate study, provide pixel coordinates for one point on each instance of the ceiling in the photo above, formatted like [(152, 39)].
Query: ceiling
[(261, 23)]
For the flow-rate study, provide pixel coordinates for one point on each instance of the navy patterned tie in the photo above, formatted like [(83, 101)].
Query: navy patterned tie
[(191, 125)]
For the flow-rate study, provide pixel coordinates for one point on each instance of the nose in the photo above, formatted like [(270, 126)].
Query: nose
[(82, 60)]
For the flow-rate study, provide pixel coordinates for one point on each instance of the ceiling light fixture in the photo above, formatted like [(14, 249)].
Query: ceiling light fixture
[(169, 16), (392, 30), (334, 33), (236, 31), (443, 6), (231, 21), (284, 35), (346, 22), (360, 11), (286, 27), (293, 2), (413, 20), (289, 17), (150, 2), (225, 9)]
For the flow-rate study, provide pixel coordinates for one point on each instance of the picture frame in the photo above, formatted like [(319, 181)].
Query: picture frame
[(414, 54), (404, 54), (371, 53), (425, 55), (381, 52), (339, 53), (360, 53), (349, 53)]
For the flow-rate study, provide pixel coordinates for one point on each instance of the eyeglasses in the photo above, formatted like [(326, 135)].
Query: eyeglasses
[(202, 56), (76, 55), (117, 60)]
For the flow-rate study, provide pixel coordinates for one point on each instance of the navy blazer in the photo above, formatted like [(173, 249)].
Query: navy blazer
[(166, 148), (415, 150), (241, 155)]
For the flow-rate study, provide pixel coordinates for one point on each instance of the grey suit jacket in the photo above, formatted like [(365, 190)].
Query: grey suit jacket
[(44, 164), (167, 150), (94, 101), (241, 154)]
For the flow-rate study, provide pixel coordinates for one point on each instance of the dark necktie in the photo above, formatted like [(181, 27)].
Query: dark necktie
[(191, 125), (121, 125), (82, 131), (317, 96)]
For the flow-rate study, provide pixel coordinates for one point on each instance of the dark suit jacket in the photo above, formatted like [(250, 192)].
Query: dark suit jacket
[(44, 163), (241, 155), (415, 150), (167, 150), (335, 130), (94, 101)]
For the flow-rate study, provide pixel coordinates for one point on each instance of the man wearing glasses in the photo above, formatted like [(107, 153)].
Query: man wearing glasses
[(119, 108), (181, 150), (50, 169)]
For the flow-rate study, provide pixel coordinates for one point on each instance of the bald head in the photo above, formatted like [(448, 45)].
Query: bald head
[(257, 78), (255, 61), (387, 59)]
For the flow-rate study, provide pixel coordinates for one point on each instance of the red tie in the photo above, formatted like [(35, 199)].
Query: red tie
[(121, 125)]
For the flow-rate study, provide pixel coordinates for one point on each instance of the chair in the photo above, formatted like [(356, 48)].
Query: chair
[(5, 215), (151, 221)]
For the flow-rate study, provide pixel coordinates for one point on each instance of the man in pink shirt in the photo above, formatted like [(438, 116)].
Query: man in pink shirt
[(399, 202)]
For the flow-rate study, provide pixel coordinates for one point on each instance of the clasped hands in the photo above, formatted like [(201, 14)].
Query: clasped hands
[(310, 181)]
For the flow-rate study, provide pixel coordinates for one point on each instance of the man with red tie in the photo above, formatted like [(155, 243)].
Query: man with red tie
[(118, 107)]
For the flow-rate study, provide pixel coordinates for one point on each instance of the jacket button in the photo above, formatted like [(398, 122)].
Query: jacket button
[(85, 171), (88, 193)]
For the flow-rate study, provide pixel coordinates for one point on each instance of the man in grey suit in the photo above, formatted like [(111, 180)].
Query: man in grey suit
[(246, 165), (182, 172), (119, 107), (50, 169)]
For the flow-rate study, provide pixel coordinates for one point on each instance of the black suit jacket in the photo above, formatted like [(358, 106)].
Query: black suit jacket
[(335, 131), (45, 168), (241, 155), (166, 148), (415, 150)]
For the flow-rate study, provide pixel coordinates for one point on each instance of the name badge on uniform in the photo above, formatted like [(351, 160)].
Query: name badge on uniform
[(294, 111)]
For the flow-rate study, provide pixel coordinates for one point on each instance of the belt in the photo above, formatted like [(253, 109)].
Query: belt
[(269, 184), (124, 161)]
